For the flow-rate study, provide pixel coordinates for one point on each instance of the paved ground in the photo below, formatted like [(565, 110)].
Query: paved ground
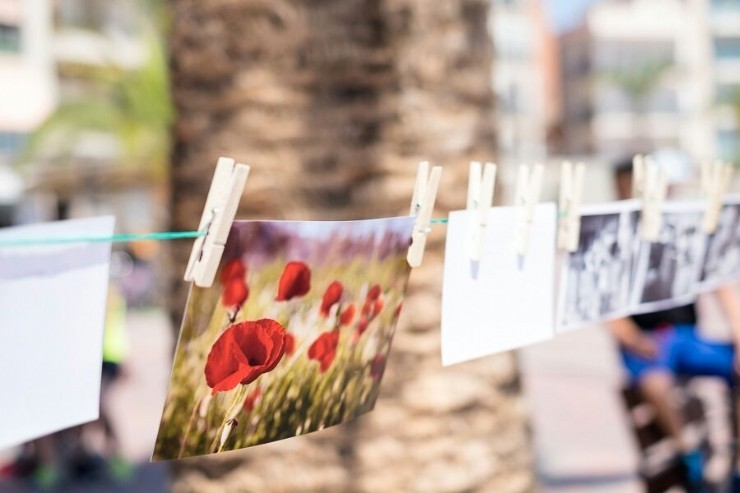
[(582, 443), (137, 401)]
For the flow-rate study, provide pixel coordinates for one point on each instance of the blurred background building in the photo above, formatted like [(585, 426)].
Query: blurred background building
[(638, 75), (525, 79), (28, 88), (722, 34), (625, 76), (71, 71)]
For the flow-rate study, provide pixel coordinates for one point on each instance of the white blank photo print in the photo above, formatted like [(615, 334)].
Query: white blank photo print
[(52, 311), (504, 302)]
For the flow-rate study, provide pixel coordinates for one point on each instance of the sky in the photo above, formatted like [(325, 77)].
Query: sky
[(565, 14)]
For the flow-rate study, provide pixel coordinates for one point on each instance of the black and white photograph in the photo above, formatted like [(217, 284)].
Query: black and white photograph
[(595, 279), (722, 259), (668, 270)]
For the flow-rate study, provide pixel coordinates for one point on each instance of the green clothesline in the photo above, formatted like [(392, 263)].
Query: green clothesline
[(168, 235), (122, 238)]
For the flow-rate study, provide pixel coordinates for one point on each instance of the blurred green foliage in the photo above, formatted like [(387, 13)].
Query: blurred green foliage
[(639, 81), (134, 106)]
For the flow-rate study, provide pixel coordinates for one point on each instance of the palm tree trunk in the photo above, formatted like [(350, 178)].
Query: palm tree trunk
[(333, 103)]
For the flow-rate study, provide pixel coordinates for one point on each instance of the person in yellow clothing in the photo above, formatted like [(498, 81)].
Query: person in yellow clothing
[(115, 339), (115, 351)]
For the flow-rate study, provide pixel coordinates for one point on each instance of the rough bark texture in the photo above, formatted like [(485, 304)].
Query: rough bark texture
[(333, 103)]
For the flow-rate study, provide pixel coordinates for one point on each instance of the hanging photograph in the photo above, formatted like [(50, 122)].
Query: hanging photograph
[(594, 281), (667, 271), (722, 259), (291, 338)]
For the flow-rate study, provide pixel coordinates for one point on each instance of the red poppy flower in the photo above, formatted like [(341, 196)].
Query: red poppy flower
[(374, 292), (324, 349), (295, 281), (377, 367), (372, 308), (397, 312), (331, 297), (367, 308), (235, 292), (362, 326), (289, 343), (377, 307), (243, 352), (251, 399), (233, 269), (347, 315)]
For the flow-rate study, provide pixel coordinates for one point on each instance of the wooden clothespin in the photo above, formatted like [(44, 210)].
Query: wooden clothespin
[(221, 205), (715, 181), (481, 183), (422, 206), (528, 189), (571, 196), (654, 190), (638, 175), (705, 178)]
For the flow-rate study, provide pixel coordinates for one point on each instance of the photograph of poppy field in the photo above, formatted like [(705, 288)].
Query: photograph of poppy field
[(291, 338)]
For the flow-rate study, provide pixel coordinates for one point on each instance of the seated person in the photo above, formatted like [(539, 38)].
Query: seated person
[(657, 347)]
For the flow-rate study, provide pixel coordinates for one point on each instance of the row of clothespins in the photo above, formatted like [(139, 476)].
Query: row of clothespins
[(649, 184), (225, 194)]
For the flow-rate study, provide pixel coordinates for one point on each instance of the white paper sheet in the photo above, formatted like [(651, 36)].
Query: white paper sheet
[(52, 311), (509, 302)]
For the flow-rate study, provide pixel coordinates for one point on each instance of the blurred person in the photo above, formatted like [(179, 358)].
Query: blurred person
[(657, 347), (134, 272), (115, 352), (38, 462)]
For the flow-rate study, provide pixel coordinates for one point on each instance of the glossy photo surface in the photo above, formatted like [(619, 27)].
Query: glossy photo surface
[(291, 338)]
